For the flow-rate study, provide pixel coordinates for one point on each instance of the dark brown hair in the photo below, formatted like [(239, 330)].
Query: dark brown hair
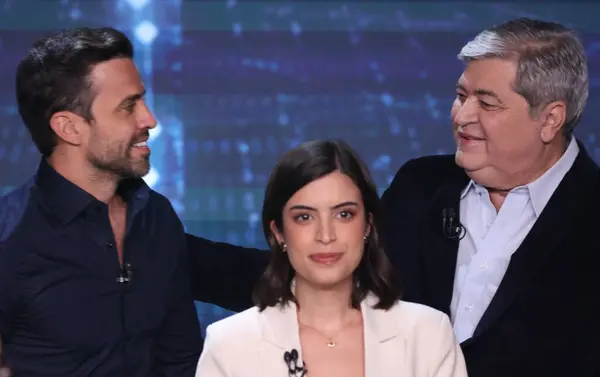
[(297, 168), (54, 76)]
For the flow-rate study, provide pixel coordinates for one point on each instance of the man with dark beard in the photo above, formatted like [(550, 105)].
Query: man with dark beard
[(93, 276)]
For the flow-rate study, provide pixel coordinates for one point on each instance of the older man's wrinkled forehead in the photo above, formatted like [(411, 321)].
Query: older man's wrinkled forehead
[(493, 77)]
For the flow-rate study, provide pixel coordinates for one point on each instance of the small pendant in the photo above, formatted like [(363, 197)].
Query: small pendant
[(331, 344)]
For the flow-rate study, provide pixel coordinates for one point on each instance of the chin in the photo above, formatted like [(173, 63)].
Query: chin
[(140, 168), (328, 281), (469, 161), (134, 172)]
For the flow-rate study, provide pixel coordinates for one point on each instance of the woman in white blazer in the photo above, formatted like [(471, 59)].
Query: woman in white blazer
[(328, 304)]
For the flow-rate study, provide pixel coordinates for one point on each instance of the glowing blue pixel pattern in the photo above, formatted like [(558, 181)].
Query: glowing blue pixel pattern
[(235, 84)]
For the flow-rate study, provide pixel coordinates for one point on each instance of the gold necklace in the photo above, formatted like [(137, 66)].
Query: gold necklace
[(330, 339)]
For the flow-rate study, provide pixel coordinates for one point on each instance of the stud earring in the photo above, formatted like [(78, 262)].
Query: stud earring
[(284, 247)]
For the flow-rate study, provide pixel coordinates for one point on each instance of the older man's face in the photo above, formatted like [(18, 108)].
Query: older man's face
[(495, 135)]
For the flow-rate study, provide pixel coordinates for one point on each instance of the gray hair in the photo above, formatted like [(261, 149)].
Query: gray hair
[(551, 63)]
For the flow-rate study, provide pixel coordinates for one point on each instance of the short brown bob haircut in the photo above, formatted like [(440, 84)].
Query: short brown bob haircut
[(297, 168)]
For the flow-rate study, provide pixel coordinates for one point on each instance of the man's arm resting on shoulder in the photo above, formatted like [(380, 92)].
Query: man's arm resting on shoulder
[(179, 342), (224, 274)]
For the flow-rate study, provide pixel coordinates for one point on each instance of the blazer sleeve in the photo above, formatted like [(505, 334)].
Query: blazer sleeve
[(224, 274), (448, 361), (403, 205), (211, 363)]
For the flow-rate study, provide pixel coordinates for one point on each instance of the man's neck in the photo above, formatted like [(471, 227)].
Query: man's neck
[(101, 185), (327, 310), (547, 160)]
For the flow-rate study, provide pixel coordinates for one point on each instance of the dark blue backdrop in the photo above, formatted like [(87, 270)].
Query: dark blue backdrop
[(236, 84)]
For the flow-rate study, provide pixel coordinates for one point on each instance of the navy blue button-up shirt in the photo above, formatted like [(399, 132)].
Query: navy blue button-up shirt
[(64, 308)]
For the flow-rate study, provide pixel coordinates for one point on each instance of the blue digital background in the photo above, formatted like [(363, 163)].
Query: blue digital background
[(235, 84)]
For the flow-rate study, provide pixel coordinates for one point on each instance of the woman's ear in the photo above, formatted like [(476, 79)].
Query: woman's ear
[(369, 227), (275, 232)]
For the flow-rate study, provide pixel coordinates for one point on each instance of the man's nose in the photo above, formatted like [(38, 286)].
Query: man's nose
[(147, 119), (467, 112)]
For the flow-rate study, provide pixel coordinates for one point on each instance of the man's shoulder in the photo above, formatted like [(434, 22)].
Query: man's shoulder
[(434, 167), (424, 175), (159, 199), (161, 206), (12, 208)]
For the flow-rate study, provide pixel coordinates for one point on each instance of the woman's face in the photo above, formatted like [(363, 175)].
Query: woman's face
[(324, 229)]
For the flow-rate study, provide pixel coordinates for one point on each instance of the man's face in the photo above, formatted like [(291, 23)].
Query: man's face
[(496, 137), (117, 136)]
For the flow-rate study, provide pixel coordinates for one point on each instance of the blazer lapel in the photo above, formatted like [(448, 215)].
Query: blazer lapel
[(384, 344), (440, 253), (280, 334), (566, 205), (383, 347)]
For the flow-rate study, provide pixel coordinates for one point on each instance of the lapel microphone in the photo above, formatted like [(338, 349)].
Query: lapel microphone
[(291, 360), (451, 226), (447, 199), (125, 274)]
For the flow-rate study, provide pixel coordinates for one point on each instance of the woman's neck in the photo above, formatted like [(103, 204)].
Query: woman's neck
[(325, 309)]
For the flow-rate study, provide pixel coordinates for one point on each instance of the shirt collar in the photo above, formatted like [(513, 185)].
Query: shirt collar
[(466, 190), (540, 190), (67, 200)]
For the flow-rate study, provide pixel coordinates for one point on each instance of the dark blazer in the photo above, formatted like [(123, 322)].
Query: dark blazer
[(545, 317)]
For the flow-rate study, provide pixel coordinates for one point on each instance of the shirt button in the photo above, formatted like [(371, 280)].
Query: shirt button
[(469, 307), (483, 266), (109, 245)]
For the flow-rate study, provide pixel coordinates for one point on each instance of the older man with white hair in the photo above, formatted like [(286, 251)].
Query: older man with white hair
[(501, 236)]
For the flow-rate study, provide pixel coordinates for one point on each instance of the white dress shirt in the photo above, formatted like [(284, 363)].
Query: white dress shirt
[(492, 237)]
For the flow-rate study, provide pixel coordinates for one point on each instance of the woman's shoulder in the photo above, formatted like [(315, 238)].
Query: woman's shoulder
[(418, 316), (240, 325)]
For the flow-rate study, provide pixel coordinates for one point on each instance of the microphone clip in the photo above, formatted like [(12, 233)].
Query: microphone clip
[(291, 360), (451, 226), (125, 274)]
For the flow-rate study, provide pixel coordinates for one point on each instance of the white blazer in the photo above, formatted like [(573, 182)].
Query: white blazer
[(408, 340)]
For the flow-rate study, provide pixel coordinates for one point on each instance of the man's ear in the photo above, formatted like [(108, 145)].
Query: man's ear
[(554, 116), (68, 126)]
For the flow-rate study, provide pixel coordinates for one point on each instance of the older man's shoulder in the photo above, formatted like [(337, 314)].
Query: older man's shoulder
[(426, 172), (427, 166)]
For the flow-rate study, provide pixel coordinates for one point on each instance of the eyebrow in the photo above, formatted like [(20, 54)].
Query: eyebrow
[(481, 92), (133, 98), (337, 206)]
